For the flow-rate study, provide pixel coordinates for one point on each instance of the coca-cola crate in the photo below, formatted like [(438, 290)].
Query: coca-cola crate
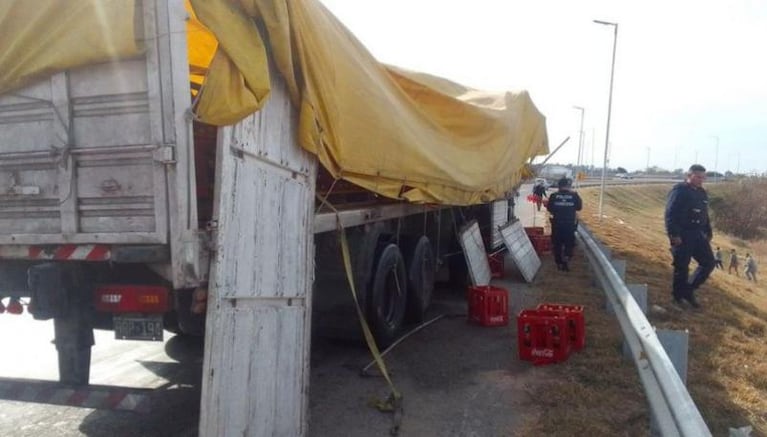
[(488, 305), (534, 230), (495, 260), (576, 322), (541, 244), (542, 337)]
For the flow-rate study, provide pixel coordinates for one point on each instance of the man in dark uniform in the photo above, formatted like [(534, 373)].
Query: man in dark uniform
[(689, 232), (539, 191), (563, 206)]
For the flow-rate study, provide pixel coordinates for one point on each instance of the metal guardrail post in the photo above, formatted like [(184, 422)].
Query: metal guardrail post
[(670, 403)]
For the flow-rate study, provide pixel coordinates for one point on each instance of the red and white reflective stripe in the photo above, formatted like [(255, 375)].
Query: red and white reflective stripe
[(64, 252), (105, 397)]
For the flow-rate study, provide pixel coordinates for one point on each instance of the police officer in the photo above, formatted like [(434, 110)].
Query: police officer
[(563, 206), (689, 232)]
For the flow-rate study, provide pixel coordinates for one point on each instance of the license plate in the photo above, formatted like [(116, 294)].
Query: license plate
[(144, 327)]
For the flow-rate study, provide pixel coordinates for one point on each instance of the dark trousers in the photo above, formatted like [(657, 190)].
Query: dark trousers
[(694, 246), (562, 242)]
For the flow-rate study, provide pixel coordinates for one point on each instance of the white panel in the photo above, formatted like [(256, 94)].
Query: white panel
[(256, 385), (257, 338), (499, 217), (521, 250), (475, 254)]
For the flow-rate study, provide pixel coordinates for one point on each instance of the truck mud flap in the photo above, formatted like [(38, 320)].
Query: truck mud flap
[(50, 284)]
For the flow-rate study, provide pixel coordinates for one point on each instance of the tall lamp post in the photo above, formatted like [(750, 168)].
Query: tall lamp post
[(716, 158), (609, 113), (580, 146), (648, 159)]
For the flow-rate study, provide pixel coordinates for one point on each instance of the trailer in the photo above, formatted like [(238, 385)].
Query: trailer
[(121, 208)]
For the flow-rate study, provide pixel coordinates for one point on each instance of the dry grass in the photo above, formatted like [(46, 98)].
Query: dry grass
[(597, 391), (727, 375)]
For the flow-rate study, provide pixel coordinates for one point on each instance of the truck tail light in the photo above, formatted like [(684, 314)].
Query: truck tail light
[(14, 306), (132, 299)]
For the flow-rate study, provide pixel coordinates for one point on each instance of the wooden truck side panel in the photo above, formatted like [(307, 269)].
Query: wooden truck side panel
[(258, 333)]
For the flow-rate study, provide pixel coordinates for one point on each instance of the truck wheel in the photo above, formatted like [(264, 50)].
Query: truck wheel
[(170, 322), (420, 272), (388, 295)]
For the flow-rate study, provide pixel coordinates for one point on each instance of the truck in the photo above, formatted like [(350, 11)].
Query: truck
[(126, 205), (553, 173)]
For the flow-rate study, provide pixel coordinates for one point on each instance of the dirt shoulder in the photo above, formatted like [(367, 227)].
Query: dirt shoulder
[(464, 380)]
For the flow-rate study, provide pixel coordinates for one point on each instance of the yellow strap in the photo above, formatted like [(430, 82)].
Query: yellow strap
[(394, 402)]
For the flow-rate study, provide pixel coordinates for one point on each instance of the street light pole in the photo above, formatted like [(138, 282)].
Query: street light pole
[(609, 113), (580, 146), (648, 159), (716, 158)]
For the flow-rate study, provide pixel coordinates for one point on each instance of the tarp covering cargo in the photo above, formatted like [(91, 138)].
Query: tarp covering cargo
[(398, 133)]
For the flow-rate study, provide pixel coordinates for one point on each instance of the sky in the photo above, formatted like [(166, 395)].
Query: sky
[(690, 81)]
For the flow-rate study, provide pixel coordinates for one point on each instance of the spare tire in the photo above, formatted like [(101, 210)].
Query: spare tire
[(420, 262), (388, 295)]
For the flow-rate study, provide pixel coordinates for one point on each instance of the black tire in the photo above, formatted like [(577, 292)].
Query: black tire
[(388, 295), (420, 261)]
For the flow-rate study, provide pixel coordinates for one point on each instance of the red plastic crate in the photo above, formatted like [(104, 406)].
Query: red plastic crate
[(488, 305), (542, 337), (534, 230), (541, 244), (576, 322), (496, 264)]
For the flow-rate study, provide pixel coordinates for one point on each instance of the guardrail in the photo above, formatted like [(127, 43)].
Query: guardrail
[(672, 408)]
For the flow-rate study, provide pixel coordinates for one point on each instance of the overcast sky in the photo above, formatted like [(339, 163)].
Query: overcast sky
[(687, 71)]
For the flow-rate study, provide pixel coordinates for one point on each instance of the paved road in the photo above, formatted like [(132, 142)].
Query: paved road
[(163, 377)]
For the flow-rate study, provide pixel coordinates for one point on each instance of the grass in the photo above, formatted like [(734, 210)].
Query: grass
[(597, 392)]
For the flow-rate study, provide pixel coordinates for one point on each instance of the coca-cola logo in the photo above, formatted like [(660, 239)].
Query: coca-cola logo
[(545, 353)]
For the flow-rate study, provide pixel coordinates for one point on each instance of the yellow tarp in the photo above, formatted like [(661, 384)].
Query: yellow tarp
[(398, 133), (42, 37)]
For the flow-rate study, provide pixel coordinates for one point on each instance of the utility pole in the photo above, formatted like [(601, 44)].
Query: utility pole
[(593, 135), (609, 113), (648, 159), (580, 147), (716, 158)]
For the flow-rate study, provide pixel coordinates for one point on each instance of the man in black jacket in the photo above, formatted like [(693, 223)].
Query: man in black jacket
[(689, 232), (563, 206)]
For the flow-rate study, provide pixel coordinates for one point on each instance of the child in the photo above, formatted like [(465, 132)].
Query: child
[(718, 258), (733, 262), (750, 268)]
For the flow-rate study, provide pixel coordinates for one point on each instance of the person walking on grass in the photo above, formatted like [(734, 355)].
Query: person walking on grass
[(689, 233), (733, 263), (718, 258), (564, 205), (750, 268)]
